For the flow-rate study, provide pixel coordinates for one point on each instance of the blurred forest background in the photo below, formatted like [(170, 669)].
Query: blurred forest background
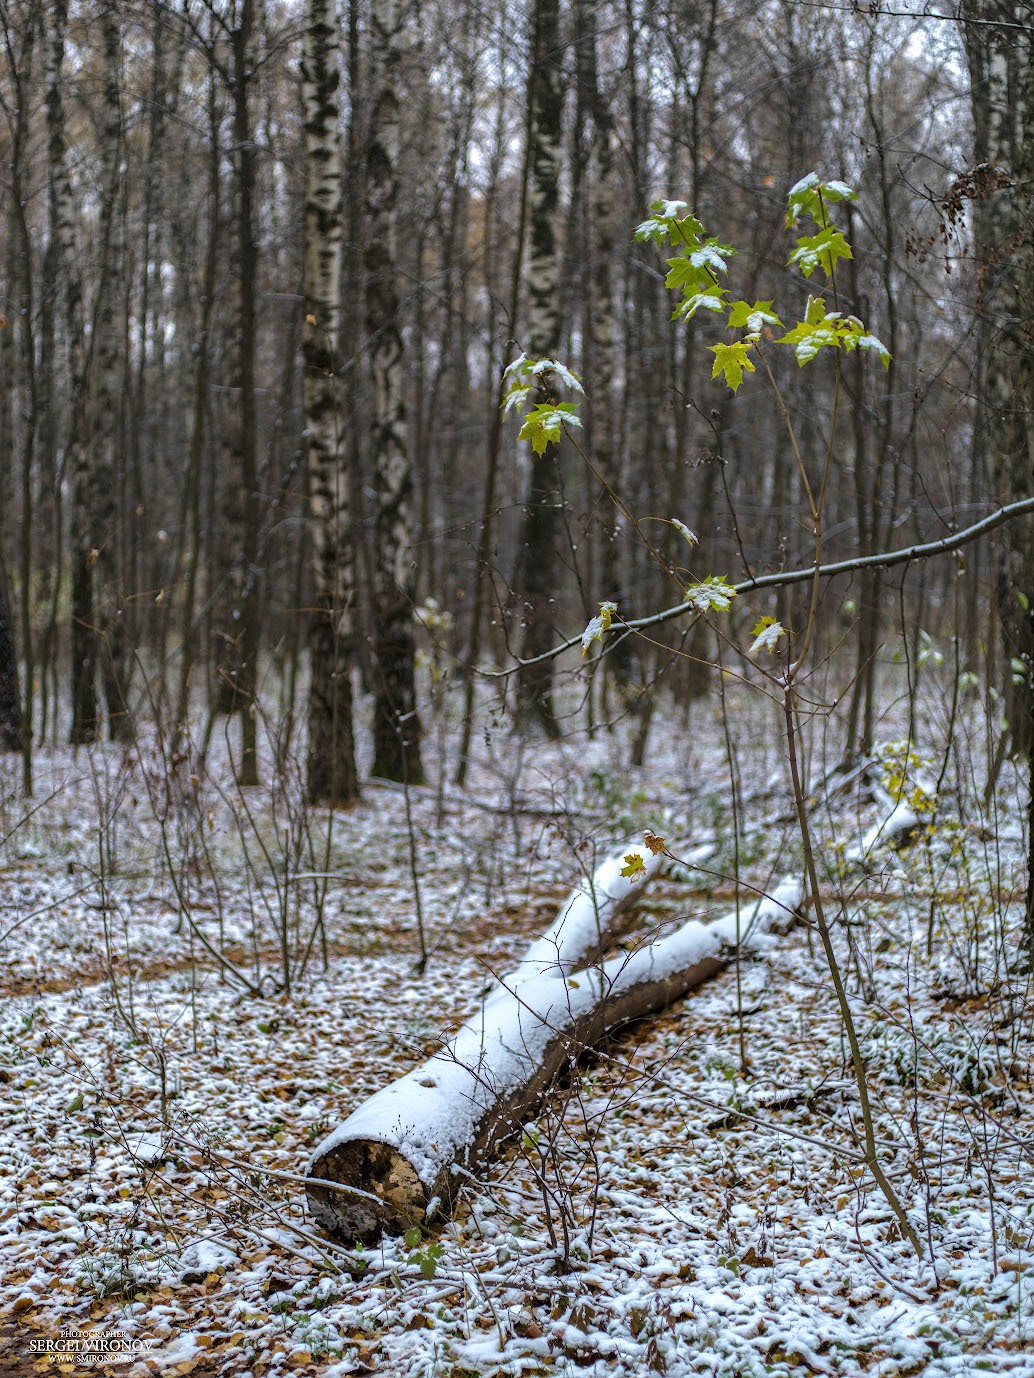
[(264, 264)]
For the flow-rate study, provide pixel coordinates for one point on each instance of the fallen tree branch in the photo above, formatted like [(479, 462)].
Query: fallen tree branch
[(411, 1143)]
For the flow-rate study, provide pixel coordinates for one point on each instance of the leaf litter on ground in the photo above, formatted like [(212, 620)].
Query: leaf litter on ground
[(670, 1209)]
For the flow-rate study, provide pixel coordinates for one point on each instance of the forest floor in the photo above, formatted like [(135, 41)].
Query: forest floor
[(178, 1032)]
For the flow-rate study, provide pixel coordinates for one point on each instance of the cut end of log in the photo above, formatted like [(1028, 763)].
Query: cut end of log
[(390, 1195)]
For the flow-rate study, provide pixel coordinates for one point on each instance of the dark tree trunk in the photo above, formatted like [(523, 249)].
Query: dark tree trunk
[(538, 566), (1001, 64), (10, 697), (237, 632)]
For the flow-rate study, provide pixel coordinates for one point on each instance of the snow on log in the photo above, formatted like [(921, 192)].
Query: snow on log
[(399, 1160), (899, 821), (591, 919)]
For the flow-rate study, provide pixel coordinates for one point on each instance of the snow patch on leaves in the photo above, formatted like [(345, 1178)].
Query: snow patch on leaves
[(711, 593), (767, 633), (596, 626)]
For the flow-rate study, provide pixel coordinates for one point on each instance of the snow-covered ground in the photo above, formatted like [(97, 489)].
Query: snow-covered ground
[(692, 1201)]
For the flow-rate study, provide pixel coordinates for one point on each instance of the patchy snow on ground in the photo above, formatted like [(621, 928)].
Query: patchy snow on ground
[(201, 984)]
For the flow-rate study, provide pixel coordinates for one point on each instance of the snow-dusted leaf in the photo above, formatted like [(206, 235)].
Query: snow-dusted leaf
[(596, 626), (593, 632), (517, 397), (753, 318), (868, 341), (766, 634), (713, 299), (810, 196), (823, 250), (712, 256), (805, 184), (809, 339), (670, 219), (545, 425), (690, 537), (712, 592), (561, 371), (517, 389), (838, 191), (821, 329)]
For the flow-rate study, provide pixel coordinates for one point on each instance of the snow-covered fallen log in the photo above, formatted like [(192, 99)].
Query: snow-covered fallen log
[(414, 1143)]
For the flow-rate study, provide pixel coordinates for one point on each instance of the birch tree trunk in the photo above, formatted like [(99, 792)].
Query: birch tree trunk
[(1001, 66), (601, 428), (331, 775), (537, 559), (396, 723)]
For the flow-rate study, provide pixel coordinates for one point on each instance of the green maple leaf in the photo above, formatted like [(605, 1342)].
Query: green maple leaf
[(743, 316), (711, 256), (712, 592), (867, 341), (855, 336), (767, 632), (816, 311), (810, 196), (545, 424), (823, 250), (671, 220), (823, 329), (711, 298), (687, 277), (808, 338), (732, 359)]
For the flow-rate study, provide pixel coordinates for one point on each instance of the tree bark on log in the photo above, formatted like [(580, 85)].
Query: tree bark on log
[(400, 1158)]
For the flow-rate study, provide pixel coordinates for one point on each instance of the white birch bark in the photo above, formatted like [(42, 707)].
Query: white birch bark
[(396, 727), (331, 774)]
